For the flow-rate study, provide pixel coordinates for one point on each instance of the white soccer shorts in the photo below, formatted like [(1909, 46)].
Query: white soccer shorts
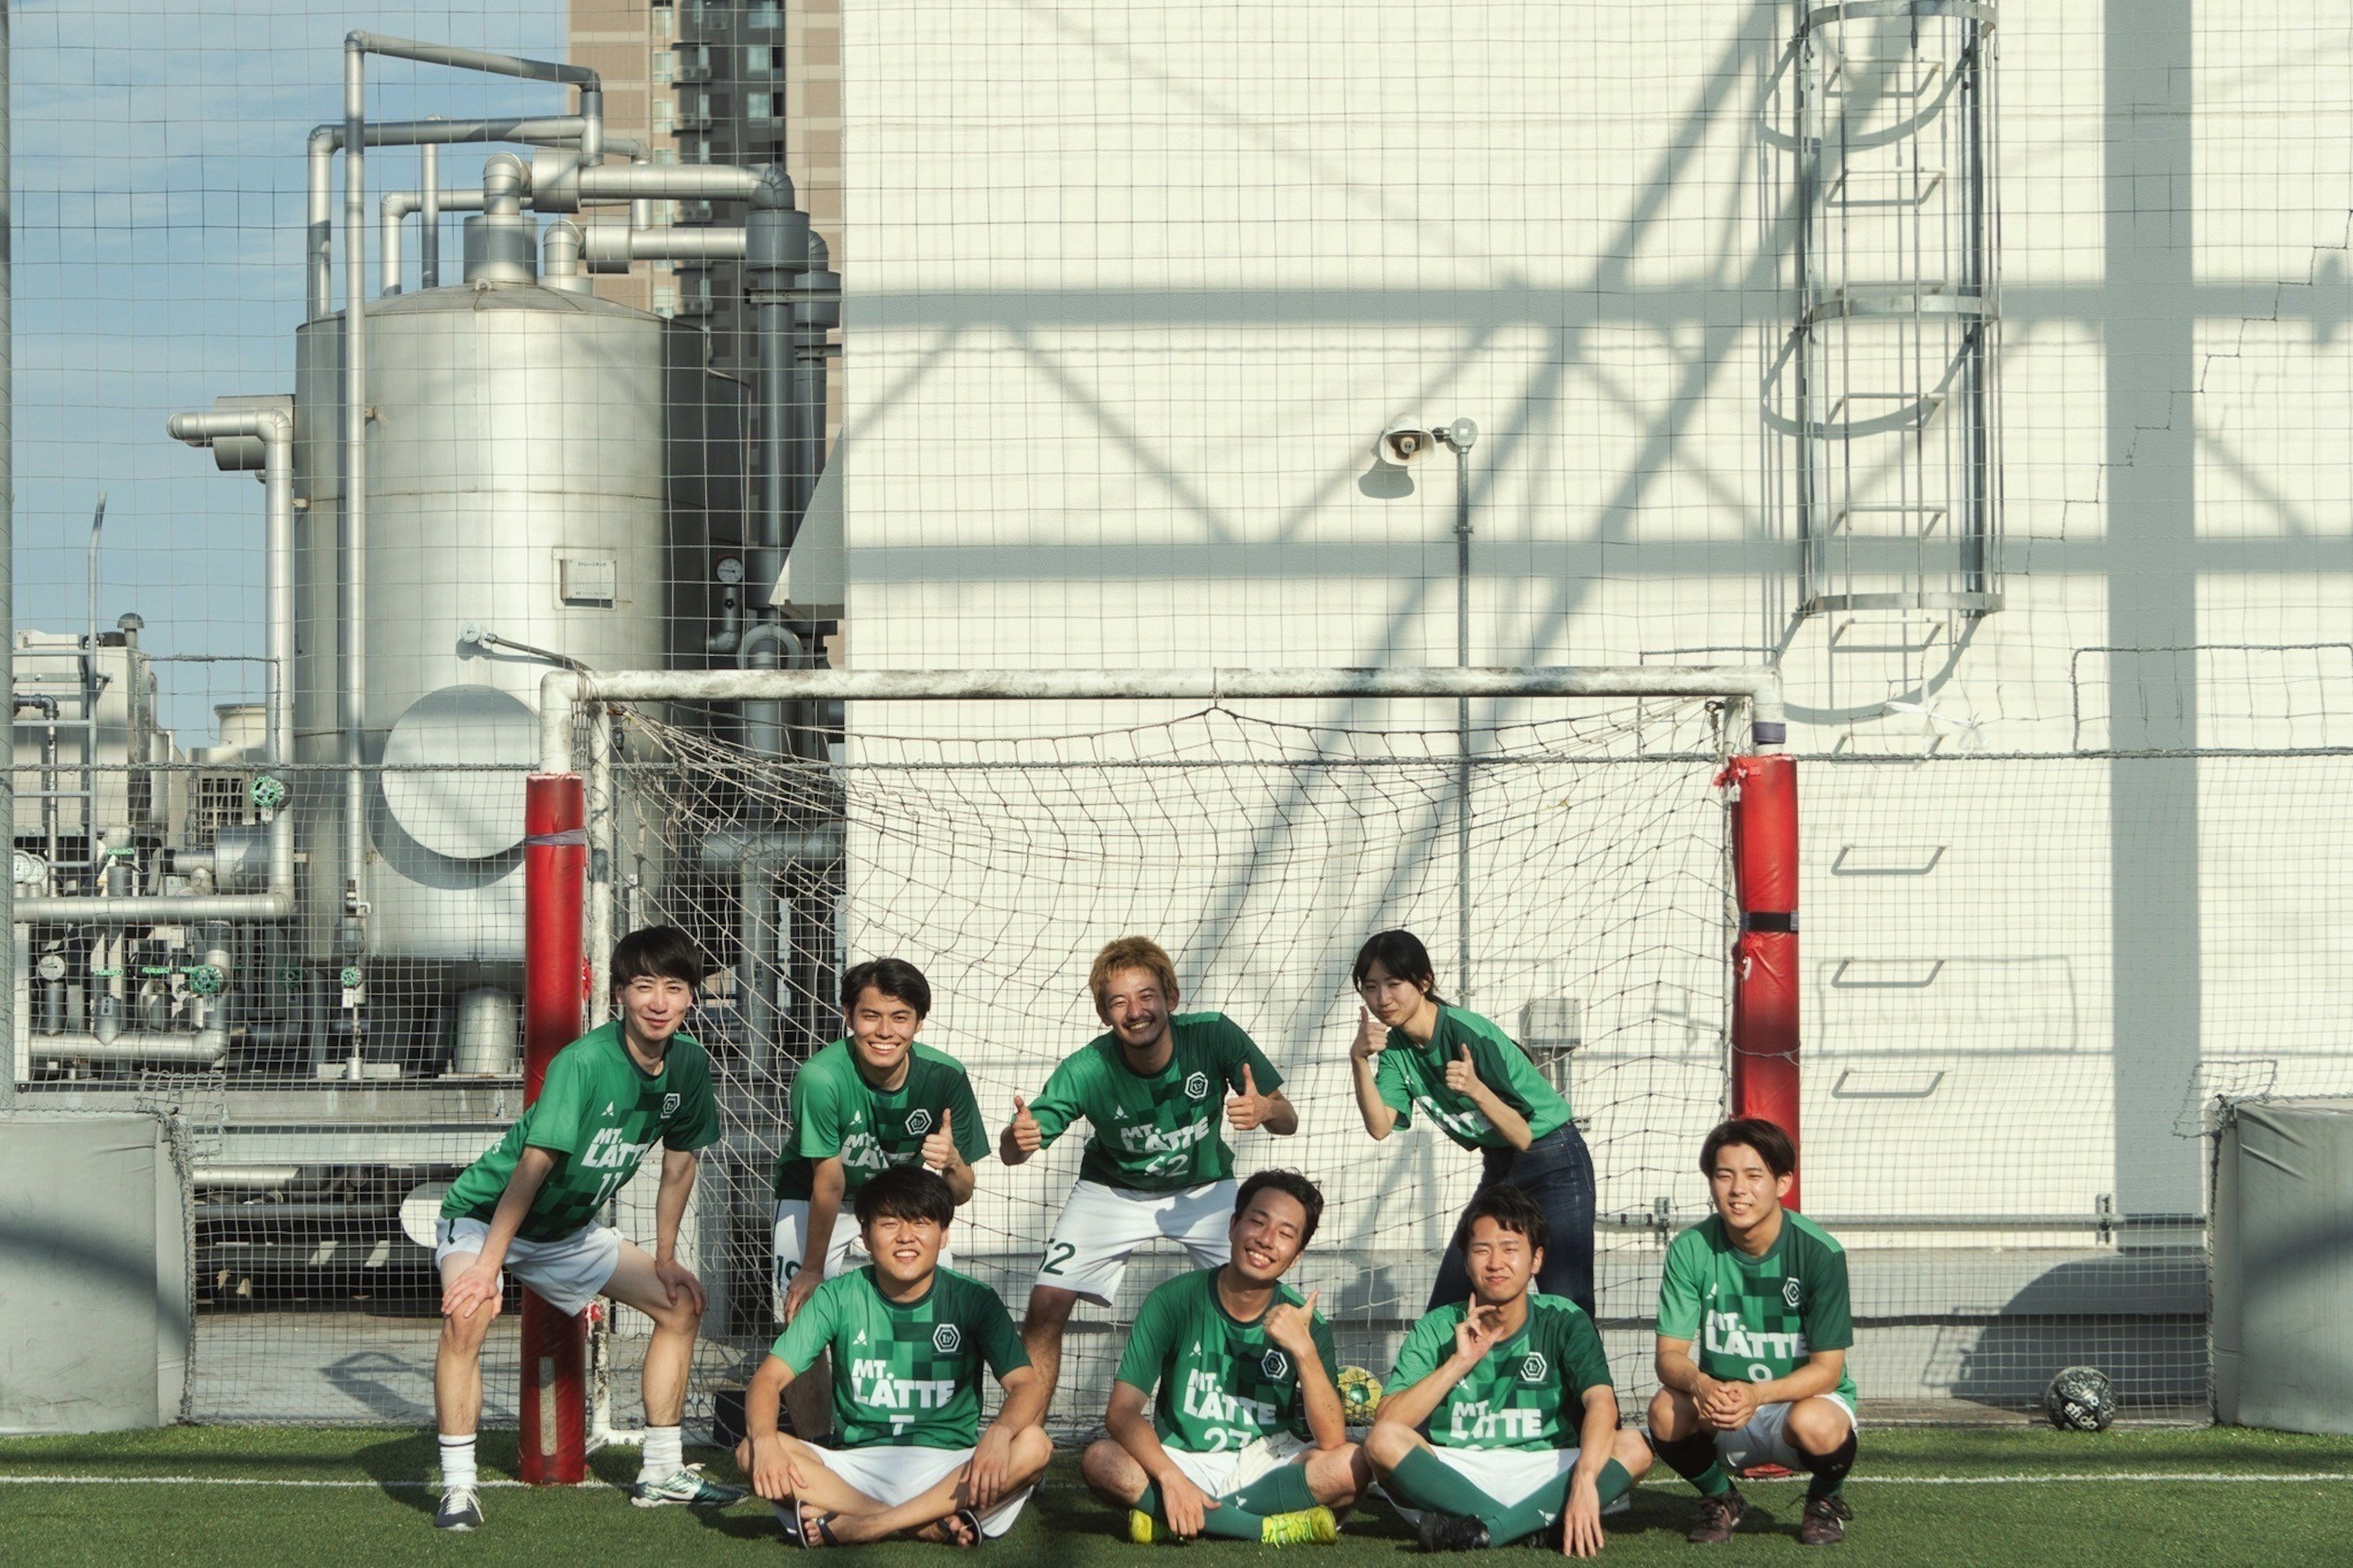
[(844, 1252), (568, 1274), (1102, 1226), (891, 1475), (1507, 1475), (1765, 1439), (1217, 1474)]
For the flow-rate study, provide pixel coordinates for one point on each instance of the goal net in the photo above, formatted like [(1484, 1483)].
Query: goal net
[(1569, 879)]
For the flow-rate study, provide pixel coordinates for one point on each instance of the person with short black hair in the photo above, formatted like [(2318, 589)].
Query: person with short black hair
[(875, 1099), (1501, 1420), (1248, 1440), (907, 1340), (1156, 1166), (532, 1204), (1754, 1327), (1416, 1053)]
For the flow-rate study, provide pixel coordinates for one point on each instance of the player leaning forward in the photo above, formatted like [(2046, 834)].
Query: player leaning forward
[(1155, 1164), (530, 1204), (1753, 1335), (1251, 1440), (907, 1340), (1500, 1421)]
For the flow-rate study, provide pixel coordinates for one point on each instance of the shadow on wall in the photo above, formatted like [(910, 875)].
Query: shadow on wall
[(2140, 1316)]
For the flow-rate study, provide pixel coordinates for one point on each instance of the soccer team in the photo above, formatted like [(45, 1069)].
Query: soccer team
[(1225, 1418)]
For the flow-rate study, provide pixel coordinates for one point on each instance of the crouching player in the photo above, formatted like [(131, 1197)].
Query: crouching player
[(530, 1204), (1251, 1440), (907, 1340), (1762, 1292), (1502, 1420)]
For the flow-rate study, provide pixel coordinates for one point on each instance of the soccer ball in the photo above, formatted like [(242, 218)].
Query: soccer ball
[(1360, 1394), (2080, 1400)]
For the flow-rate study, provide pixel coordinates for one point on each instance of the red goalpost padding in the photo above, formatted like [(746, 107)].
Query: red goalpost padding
[(554, 1407), (1764, 809)]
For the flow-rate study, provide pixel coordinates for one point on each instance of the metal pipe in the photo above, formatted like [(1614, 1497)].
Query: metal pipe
[(326, 141), (609, 245), (247, 1178), (598, 803), (301, 1209), (559, 258), (7, 579), (275, 431), (429, 231), (431, 203), (559, 690), (766, 645), (206, 1048), (458, 58), (353, 609), (764, 189)]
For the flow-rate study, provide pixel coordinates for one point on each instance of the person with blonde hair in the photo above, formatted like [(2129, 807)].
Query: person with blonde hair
[(1150, 1090)]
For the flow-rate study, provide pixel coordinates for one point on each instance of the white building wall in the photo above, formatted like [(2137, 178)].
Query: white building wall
[(1140, 285)]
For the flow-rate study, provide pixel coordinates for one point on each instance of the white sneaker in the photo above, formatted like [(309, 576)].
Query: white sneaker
[(461, 1508), (684, 1484)]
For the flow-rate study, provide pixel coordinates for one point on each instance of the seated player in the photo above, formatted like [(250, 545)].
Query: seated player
[(1761, 1291), (1155, 1165), (875, 1099), (907, 1339), (1250, 1442), (530, 1204), (1501, 1420)]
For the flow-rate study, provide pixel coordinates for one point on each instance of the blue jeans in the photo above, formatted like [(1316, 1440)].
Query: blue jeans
[(1557, 1171)]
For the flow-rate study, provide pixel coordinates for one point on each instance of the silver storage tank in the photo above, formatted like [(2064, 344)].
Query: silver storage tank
[(515, 486)]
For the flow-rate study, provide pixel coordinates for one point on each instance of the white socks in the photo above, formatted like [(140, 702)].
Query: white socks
[(665, 1454), (456, 1461)]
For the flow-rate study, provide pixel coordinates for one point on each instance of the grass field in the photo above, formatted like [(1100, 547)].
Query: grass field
[(252, 1496)]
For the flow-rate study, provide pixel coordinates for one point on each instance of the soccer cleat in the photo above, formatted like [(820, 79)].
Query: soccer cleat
[(1825, 1522), (461, 1508), (683, 1485), (1719, 1516), (1452, 1533), (1140, 1527), (1308, 1527)]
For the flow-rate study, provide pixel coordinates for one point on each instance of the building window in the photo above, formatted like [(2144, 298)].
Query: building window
[(665, 298), (759, 106), (665, 23), (759, 59), (665, 62), (663, 121), (767, 16)]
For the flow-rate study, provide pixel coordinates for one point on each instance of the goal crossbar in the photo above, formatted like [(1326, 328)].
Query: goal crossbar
[(561, 692)]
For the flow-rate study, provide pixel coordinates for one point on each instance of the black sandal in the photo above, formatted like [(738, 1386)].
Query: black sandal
[(823, 1526), (971, 1522)]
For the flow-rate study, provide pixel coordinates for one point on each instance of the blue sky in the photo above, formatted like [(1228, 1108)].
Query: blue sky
[(158, 229)]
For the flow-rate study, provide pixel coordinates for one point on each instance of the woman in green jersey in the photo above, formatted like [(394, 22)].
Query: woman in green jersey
[(1415, 1053)]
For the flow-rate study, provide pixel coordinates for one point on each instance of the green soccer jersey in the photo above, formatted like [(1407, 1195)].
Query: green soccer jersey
[(598, 1113), (1161, 1133), (1412, 1077), (1757, 1318), (1223, 1383), (905, 1374), (1527, 1393), (837, 1112)]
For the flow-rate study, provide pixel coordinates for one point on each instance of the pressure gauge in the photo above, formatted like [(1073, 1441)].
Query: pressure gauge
[(28, 868), (52, 966), (729, 571)]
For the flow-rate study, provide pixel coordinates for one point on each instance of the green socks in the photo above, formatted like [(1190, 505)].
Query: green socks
[(1422, 1479), (1694, 1459), (1226, 1521), (1282, 1489), (1447, 1492)]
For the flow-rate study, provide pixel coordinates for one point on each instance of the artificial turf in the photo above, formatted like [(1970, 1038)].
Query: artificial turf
[(2032, 1495)]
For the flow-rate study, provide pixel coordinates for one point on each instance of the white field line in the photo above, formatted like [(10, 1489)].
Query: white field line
[(2188, 1478)]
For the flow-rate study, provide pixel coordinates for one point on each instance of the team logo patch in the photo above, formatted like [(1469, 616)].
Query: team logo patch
[(919, 1121), (670, 1105), (1533, 1369), (947, 1339), (1274, 1364), (1198, 1086), (1790, 1292)]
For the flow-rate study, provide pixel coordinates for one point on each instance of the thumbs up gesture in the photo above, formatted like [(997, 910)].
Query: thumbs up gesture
[(1246, 1107), (1461, 1076), (939, 1147), (1293, 1328), (1024, 1132)]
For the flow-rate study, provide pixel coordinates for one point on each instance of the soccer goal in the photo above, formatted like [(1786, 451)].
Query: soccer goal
[(1568, 842)]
